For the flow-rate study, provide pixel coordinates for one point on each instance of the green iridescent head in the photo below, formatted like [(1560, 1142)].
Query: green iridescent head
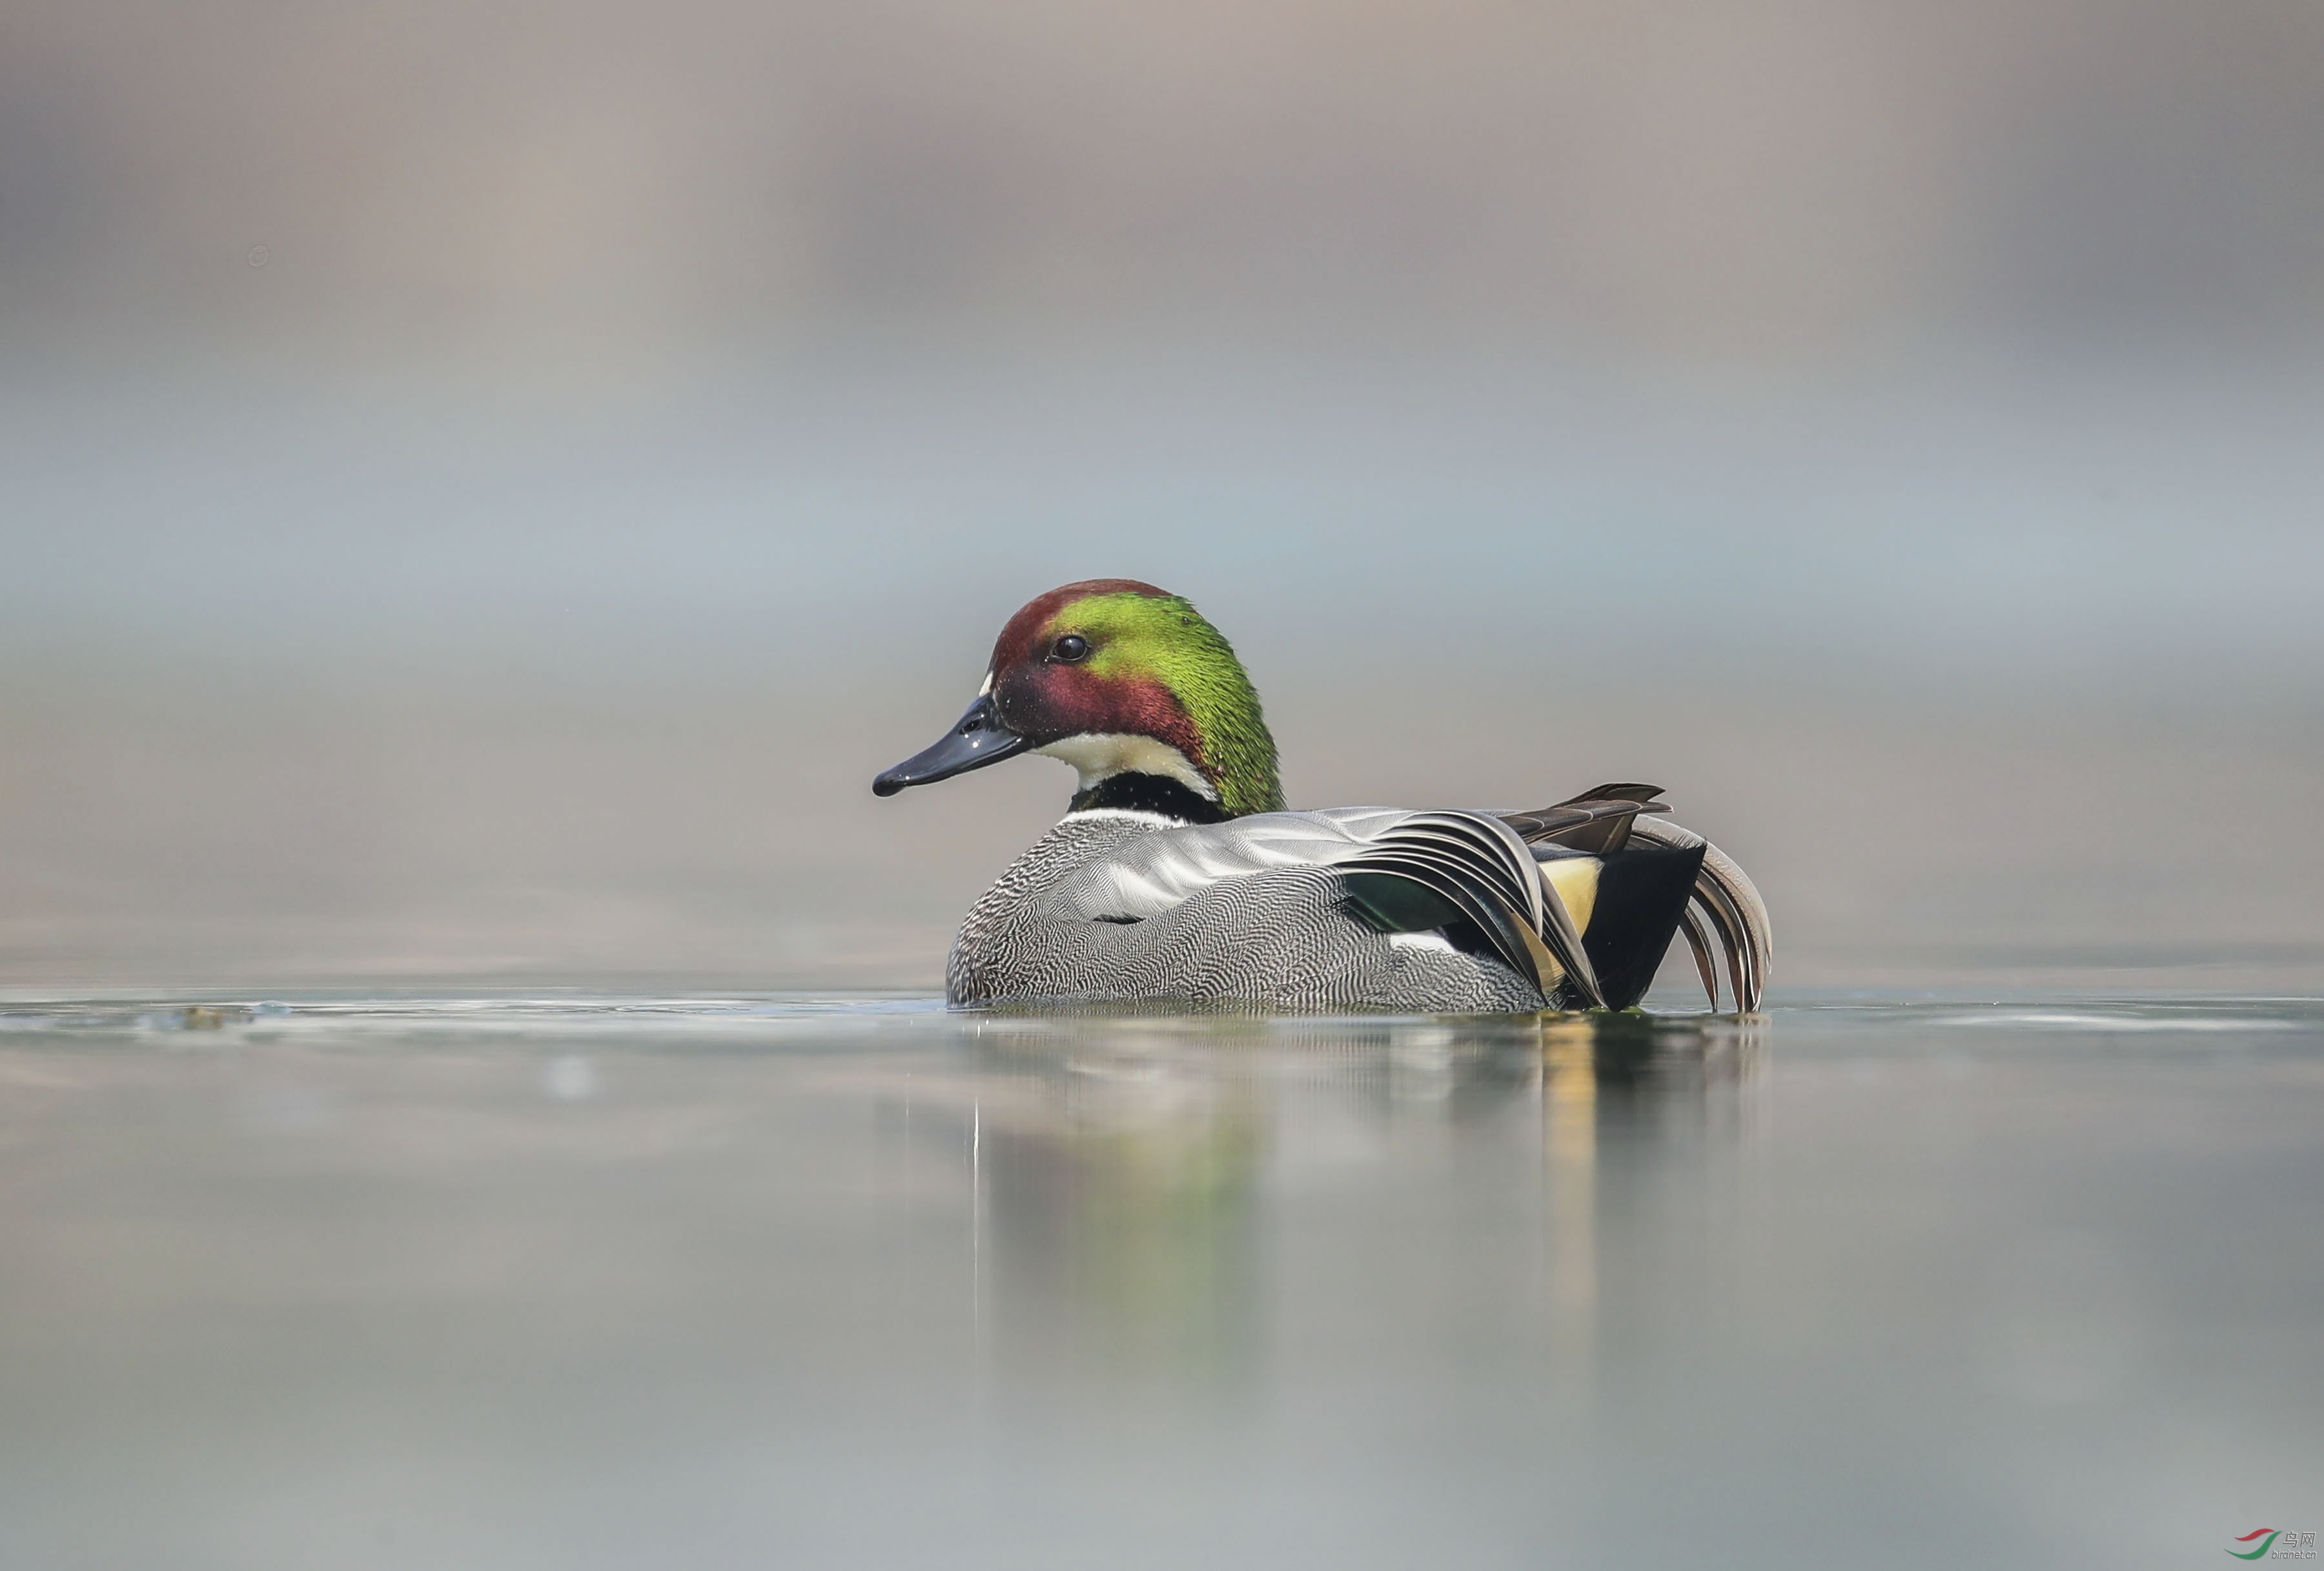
[(1119, 678)]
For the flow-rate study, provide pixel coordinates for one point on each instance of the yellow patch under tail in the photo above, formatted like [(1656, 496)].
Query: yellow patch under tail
[(1575, 881)]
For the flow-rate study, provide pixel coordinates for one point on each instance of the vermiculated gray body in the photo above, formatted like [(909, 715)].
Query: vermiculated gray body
[(1121, 907)]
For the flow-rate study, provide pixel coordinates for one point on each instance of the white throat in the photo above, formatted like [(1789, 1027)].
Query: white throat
[(1100, 755)]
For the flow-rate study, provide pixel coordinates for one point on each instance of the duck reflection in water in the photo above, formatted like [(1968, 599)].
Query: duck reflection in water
[(1130, 1172)]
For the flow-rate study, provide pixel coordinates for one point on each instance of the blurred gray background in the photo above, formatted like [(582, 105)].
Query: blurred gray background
[(485, 486)]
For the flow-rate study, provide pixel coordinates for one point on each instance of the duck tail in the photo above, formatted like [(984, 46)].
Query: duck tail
[(1639, 901), (1653, 884), (1724, 912)]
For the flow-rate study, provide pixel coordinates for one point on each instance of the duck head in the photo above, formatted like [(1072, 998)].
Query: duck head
[(1129, 685)]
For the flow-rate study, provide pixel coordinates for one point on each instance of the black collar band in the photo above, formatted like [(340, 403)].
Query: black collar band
[(1151, 793)]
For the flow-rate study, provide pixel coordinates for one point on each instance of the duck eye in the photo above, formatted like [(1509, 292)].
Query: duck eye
[(1072, 648)]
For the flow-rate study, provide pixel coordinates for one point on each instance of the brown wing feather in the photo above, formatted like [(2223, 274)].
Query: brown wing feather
[(1597, 821)]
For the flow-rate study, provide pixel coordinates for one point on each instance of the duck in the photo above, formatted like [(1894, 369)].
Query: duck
[(1178, 877)]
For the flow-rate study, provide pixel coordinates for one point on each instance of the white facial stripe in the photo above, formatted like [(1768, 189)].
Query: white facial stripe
[(986, 691), (1100, 755)]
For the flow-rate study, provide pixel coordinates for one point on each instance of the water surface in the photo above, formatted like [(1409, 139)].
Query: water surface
[(789, 1280)]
